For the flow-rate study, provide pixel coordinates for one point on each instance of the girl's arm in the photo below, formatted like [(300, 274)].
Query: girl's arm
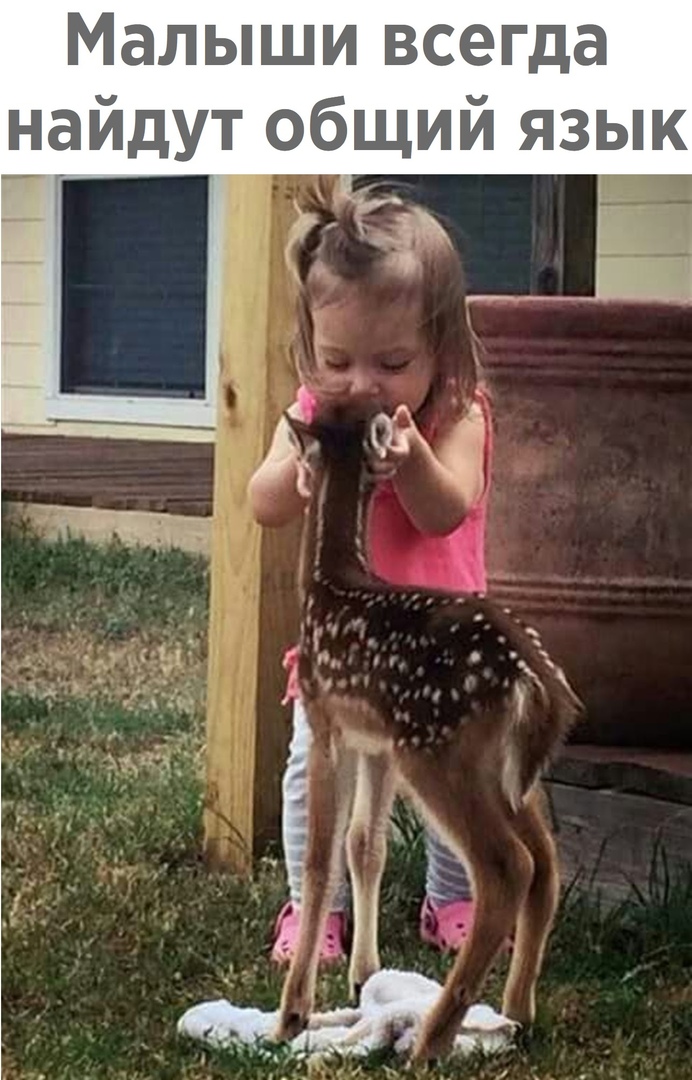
[(272, 489), (439, 483)]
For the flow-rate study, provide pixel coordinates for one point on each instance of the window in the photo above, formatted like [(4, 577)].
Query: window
[(491, 217), (136, 324), (517, 234)]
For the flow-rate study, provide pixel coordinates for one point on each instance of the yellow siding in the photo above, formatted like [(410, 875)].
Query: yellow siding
[(22, 241), (24, 198), (644, 237), (22, 324), (22, 365), (22, 409), (23, 283), (16, 419), (24, 254)]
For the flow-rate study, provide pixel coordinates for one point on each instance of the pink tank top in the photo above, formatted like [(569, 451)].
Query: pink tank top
[(401, 554)]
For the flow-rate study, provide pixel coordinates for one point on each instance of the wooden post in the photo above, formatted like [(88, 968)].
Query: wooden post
[(253, 598)]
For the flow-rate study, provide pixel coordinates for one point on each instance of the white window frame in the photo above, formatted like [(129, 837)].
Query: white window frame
[(131, 408)]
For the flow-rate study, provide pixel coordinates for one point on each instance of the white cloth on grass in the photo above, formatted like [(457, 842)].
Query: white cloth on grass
[(391, 1008)]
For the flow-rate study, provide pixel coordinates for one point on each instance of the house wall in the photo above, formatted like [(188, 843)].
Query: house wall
[(23, 300), (644, 249), (26, 239), (644, 237)]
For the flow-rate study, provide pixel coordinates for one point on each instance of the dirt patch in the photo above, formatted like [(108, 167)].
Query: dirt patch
[(135, 672)]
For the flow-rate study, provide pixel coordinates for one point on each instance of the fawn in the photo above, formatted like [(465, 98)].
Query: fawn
[(444, 695)]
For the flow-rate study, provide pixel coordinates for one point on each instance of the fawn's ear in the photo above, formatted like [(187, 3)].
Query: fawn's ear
[(309, 452), (302, 436), (296, 430), (379, 435)]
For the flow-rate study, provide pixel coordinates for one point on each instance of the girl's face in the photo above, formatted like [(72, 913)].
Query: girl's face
[(372, 351)]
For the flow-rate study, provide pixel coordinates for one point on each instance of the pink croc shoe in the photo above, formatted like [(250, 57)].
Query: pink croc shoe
[(286, 936), (446, 927)]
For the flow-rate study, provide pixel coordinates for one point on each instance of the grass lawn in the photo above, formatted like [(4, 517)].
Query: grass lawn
[(111, 925)]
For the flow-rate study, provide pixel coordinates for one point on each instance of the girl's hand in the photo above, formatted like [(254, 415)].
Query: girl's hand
[(404, 435)]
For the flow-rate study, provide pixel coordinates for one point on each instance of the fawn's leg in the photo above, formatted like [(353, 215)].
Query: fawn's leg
[(537, 912), (472, 819), (331, 773), (367, 850)]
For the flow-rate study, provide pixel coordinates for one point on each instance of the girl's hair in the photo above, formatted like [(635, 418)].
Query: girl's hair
[(396, 248)]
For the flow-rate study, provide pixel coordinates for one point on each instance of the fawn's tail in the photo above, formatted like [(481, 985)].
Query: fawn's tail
[(542, 711)]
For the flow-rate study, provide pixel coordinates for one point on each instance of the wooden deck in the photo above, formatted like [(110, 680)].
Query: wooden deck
[(114, 474), (623, 817)]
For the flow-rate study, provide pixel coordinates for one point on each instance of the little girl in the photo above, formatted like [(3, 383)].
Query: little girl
[(381, 316)]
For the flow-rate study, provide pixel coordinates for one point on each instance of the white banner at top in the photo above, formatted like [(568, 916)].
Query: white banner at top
[(405, 87)]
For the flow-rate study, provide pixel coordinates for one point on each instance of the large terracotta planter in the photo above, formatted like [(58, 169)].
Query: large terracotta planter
[(590, 533)]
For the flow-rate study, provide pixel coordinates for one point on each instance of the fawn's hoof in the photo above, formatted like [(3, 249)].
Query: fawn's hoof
[(357, 980), (430, 1047), (290, 1024), (425, 1056), (523, 1036)]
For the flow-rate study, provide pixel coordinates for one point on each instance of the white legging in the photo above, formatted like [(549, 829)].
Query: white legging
[(445, 879)]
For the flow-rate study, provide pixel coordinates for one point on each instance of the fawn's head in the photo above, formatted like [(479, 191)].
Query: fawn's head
[(342, 437)]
